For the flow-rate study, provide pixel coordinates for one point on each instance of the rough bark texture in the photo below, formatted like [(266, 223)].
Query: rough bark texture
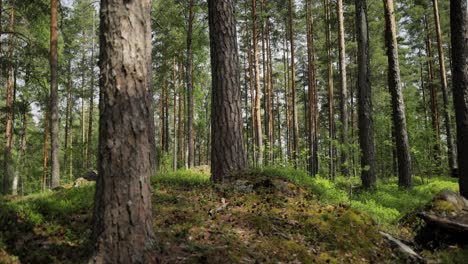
[(398, 105), (365, 120), (331, 115), (122, 211), (8, 160), (443, 80), (227, 151), (191, 130), (258, 96), (459, 27), (344, 92), (295, 124)]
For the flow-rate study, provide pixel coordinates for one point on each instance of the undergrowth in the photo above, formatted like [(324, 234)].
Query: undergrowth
[(287, 216)]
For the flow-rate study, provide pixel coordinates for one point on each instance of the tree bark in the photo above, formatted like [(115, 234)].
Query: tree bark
[(312, 168), (54, 107), (22, 151), (459, 27), (123, 230), (344, 92), (227, 152), (176, 85), (433, 93), (365, 119), (8, 159), (293, 86), (83, 81), (398, 105), (443, 79), (191, 130), (45, 163), (180, 145), (91, 104), (258, 116), (331, 115)]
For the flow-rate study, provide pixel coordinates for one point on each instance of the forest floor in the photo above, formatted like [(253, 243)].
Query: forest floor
[(270, 216)]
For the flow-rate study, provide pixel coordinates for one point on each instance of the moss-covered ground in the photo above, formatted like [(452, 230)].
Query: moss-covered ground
[(274, 215)]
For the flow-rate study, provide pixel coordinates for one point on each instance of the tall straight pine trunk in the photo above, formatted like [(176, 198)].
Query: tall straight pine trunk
[(443, 81), (343, 92), (365, 119), (398, 105), (227, 149)]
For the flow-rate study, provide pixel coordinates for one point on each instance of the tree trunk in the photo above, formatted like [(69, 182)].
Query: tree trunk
[(180, 145), (443, 78), (459, 27), (398, 105), (123, 230), (331, 115), (22, 150), (45, 152), (344, 92), (83, 80), (312, 89), (176, 85), (67, 116), (365, 120), (91, 105), (293, 86), (8, 159), (433, 93), (252, 97), (227, 152), (191, 130), (258, 116)]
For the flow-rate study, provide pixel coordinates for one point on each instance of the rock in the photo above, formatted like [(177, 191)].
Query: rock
[(404, 250), (80, 182), (90, 176), (458, 202), (243, 186)]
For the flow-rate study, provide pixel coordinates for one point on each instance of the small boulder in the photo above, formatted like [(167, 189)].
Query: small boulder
[(80, 182), (458, 202)]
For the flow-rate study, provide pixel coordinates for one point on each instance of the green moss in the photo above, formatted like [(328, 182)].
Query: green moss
[(440, 206)]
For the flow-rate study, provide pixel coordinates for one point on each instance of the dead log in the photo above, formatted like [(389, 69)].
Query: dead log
[(404, 250), (443, 223)]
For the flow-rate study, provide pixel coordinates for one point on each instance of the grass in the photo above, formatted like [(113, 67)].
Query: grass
[(286, 216)]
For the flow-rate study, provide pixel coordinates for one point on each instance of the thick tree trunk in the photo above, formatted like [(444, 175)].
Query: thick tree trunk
[(123, 230), (54, 107), (459, 27), (344, 92), (190, 107), (443, 79), (366, 123), (258, 116), (293, 86), (8, 159), (398, 105), (227, 151)]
